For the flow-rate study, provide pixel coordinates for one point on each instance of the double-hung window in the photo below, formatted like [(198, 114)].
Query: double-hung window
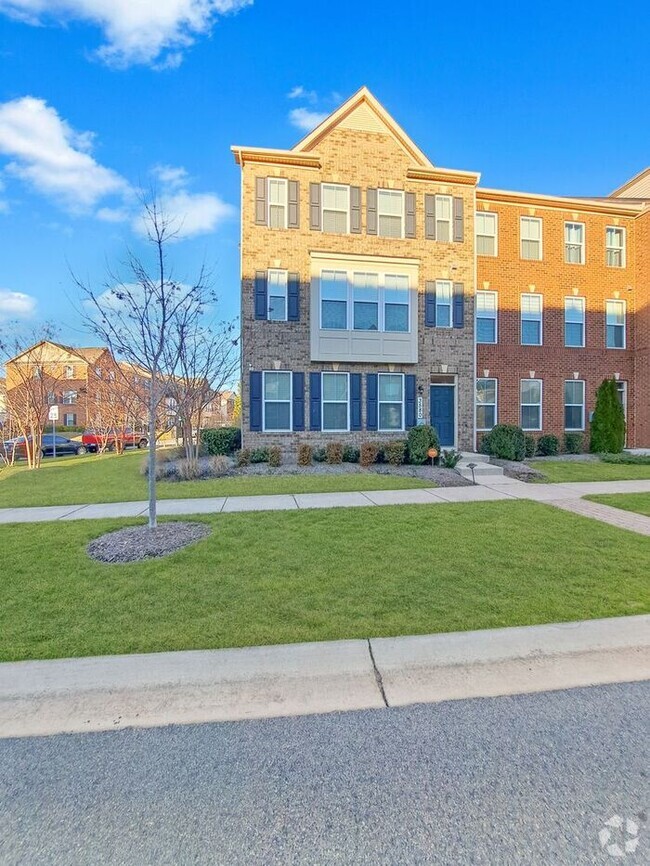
[(278, 194), (615, 324), (69, 397), (574, 243), (391, 401), (615, 247), (574, 404), (69, 420), (531, 320), (277, 402), (336, 208), (486, 403), (335, 400), (531, 238), (531, 404), (486, 317), (443, 218), (390, 213), (444, 296), (69, 372), (334, 300), (574, 322), (396, 303), (486, 234), (365, 294), (277, 296)]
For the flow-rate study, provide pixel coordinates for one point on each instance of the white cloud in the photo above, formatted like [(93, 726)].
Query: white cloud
[(305, 119), (190, 214), (171, 176), (16, 305), (299, 92), (153, 32), (51, 157)]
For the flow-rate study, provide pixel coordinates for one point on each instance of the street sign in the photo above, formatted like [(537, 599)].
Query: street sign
[(53, 414)]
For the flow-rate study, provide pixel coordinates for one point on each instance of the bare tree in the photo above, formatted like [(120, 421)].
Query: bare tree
[(150, 320), (116, 401), (33, 374)]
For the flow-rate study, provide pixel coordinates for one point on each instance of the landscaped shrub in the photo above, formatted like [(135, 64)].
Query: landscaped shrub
[(530, 445), (243, 457), (368, 453), (320, 455), (275, 455), (608, 422), (420, 439), (395, 452), (187, 470), (260, 455), (627, 459), (221, 440), (304, 454), (574, 443), (548, 445), (334, 452), (350, 454), (505, 441), (449, 458), (217, 465)]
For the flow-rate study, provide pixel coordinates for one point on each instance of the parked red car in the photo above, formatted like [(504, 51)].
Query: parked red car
[(94, 440)]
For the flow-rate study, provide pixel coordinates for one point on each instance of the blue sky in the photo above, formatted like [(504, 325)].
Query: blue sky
[(98, 97)]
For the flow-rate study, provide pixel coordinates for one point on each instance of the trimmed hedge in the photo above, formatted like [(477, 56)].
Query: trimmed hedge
[(420, 439), (627, 459), (505, 441), (530, 445), (548, 445), (574, 443), (221, 440)]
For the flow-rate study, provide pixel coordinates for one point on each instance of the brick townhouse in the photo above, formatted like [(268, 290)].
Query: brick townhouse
[(380, 291)]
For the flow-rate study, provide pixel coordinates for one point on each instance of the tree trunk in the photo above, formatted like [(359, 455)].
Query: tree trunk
[(153, 521)]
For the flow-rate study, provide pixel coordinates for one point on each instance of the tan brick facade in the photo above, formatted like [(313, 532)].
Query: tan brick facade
[(361, 146)]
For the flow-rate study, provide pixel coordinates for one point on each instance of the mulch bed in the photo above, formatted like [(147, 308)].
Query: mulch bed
[(136, 543)]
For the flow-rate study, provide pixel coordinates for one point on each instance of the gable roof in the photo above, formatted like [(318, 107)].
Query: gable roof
[(363, 112), (636, 187)]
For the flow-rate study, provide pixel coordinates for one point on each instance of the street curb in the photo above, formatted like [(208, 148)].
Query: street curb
[(111, 692)]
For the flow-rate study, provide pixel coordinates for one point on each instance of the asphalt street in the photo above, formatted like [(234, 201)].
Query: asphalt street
[(530, 779)]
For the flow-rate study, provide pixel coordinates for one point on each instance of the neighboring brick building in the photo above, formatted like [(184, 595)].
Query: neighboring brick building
[(362, 264)]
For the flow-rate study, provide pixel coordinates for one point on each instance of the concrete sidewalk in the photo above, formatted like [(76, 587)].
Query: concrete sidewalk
[(93, 694), (487, 491)]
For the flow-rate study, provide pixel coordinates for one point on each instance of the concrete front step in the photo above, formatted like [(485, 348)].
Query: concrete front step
[(483, 471)]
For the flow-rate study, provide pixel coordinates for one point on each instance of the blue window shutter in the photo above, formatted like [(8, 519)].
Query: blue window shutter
[(371, 401), (314, 401), (459, 305), (430, 304), (293, 297), (355, 401), (410, 400), (255, 396), (298, 401), (261, 305)]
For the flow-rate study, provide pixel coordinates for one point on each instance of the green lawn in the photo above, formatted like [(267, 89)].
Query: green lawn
[(117, 478), (567, 470), (279, 577), (638, 502)]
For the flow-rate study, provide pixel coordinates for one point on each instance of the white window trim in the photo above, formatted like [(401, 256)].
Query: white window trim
[(379, 403), (265, 401), (617, 301), (496, 319), (337, 210), (451, 304), (541, 319), (380, 214), (540, 404), (323, 401), (582, 245), (584, 320), (584, 391), (523, 217), (68, 400), (495, 404), (69, 372), (381, 300), (269, 204), (450, 221), (623, 247), (268, 294), (67, 415), (496, 233)]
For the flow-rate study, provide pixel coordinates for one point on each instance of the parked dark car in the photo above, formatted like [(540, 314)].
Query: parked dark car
[(63, 446)]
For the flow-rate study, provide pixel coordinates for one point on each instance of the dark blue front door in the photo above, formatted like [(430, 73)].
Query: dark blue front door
[(442, 413)]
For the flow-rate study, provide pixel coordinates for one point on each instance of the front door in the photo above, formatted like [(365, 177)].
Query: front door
[(443, 413)]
